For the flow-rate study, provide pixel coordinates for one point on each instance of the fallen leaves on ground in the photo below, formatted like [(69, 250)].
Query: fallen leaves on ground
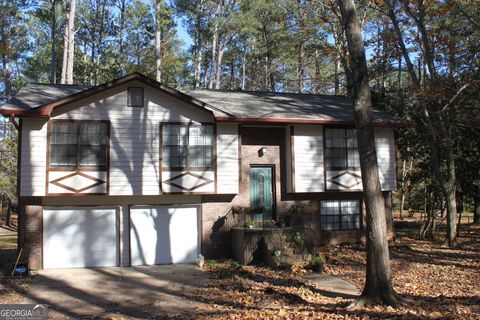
[(13, 290), (434, 282)]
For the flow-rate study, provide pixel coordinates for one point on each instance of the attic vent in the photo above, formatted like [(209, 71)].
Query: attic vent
[(135, 97)]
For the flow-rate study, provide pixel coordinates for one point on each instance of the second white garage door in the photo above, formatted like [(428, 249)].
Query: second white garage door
[(163, 235), (80, 237)]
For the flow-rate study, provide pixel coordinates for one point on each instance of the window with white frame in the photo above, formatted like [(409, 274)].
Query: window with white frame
[(78, 144), (187, 146), (340, 215), (341, 149)]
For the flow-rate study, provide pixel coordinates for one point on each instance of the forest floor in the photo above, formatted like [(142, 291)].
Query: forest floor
[(434, 282)]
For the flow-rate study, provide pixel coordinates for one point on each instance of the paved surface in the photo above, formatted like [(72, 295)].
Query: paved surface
[(140, 292), (331, 286)]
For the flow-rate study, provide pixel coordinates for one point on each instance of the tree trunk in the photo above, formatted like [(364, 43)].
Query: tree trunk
[(68, 44), (215, 44), (198, 67), (53, 62), (71, 42), (121, 34), (402, 189), (318, 75), (269, 76), (205, 74), (378, 287), (211, 78), (399, 79), (197, 73), (300, 70), (65, 48), (232, 75), (427, 48), (451, 216), (158, 40), (476, 206), (460, 202), (93, 72), (218, 67), (437, 121), (244, 71), (6, 72), (442, 146), (337, 74), (8, 217), (401, 43)]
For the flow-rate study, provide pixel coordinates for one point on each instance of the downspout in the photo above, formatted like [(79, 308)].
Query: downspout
[(14, 122)]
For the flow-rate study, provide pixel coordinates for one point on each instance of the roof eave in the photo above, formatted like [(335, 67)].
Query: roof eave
[(25, 113), (377, 123)]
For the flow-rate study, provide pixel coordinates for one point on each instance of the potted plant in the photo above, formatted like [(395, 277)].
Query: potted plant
[(298, 239), (249, 224), (318, 263), (281, 223)]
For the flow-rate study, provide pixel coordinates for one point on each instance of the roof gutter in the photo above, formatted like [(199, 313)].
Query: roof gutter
[(26, 113), (377, 123), (14, 122)]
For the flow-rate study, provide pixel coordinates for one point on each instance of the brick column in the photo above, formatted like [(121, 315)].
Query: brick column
[(30, 235)]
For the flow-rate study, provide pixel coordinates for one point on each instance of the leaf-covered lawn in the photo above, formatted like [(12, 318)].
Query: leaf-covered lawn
[(434, 281)]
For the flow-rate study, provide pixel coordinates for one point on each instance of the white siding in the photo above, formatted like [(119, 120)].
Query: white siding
[(308, 158), (134, 134), (385, 146), (33, 157), (308, 161), (288, 158), (227, 158)]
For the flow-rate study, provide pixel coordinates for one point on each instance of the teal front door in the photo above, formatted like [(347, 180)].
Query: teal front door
[(261, 193)]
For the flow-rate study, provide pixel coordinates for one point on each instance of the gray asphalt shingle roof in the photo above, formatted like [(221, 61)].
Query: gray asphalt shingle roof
[(226, 104), (37, 94), (263, 105)]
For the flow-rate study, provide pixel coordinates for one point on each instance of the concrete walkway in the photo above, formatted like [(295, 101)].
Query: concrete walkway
[(139, 292), (331, 286)]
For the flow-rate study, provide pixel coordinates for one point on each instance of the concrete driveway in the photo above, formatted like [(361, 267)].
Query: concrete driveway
[(137, 292)]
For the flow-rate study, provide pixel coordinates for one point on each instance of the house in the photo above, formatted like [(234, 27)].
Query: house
[(134, 172)]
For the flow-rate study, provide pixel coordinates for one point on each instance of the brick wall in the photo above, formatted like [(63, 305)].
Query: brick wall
[(216, 224), (30, 229)]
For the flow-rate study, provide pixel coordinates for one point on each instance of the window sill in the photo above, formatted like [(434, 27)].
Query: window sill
[(78, 169)]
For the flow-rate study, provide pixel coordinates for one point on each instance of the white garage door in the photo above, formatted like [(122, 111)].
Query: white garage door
[(162, 235), (80, 237)]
